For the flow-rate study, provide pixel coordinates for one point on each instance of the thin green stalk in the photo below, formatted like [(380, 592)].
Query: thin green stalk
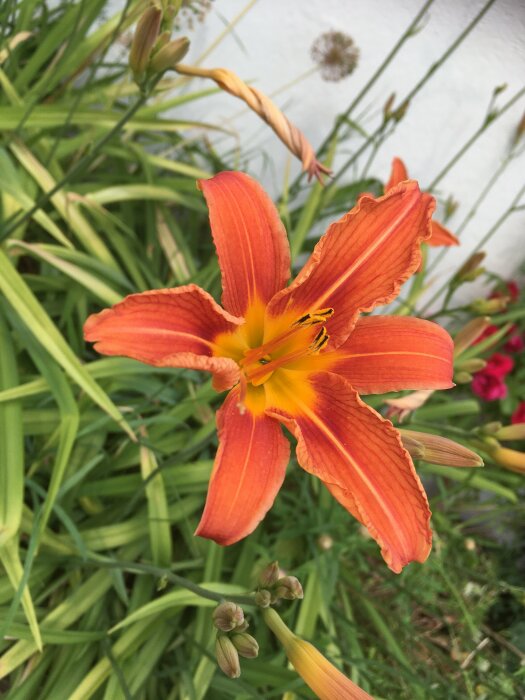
[(409, 31), (419, 85)]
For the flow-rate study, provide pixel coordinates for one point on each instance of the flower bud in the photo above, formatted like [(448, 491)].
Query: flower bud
[(227, 616), (245, 644), (227, 656), (489, 428), (288, 587), (440, 450), (168, 56), (489, 306), (470, 269), (269, 575), (144, 39), (508, 459), (469, 334), (399, 113), (520, 130), (263, 598), (462, 378), (387, 108), (511, 432), (474, 365)]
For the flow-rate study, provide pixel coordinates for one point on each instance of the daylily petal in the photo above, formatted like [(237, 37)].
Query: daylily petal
[(251, 242), (248, 472), (360, 457), (397, 174), (361, 261), (167, 328), (441, 235), (391, 353)]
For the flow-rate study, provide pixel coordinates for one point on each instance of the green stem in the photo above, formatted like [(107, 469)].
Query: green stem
[(410, 30), (275, 623), (168, 575), (426, 77)]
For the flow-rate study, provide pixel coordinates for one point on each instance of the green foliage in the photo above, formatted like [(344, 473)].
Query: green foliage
[(104, 463)]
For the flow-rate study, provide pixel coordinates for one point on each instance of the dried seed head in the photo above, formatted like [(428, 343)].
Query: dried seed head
[(336, 55)]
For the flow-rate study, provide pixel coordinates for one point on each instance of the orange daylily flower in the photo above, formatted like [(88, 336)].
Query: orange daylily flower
[(440, 235), (299, 355)]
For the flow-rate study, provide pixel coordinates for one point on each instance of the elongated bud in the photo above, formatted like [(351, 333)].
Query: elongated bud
[(520, 130), (168, 56), (440, 450), (450, 207), (474, 365), (227, 616), (463, 377), (489, 306), (489, 428), (399, 113), (387, 108), (326, 681), (270, 575), (289, 588), (511, 432), (470, 269), (144, 40), (468, 335), (508, 459), (245, 644), (414, 448), (227, 656)]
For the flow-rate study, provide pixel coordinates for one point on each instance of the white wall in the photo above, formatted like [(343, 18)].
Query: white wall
[(271, 47)]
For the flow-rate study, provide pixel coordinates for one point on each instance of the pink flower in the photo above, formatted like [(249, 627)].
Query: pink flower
[(512, 291), (499, 365), (514, 344), (488, 387), (519, 414)]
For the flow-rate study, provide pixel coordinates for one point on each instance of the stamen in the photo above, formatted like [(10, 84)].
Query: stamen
[(312, 319), (319, 341)]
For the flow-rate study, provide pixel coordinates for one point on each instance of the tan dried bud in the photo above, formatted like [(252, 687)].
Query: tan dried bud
[(470, 269), (399, 113), (227, 656), (476, 364), (262, 105), (520, 130), (263, 598), (168, 56), (227, 616), (462, 377), (289, 588), (440, 450), (246, 645), (468, 335), (144, 40), (270, 575), (511, 432)]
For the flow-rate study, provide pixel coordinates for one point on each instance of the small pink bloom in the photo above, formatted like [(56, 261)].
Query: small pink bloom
[(519, 414), (499, 365), (488, 387), (512, 291), (514, 344)]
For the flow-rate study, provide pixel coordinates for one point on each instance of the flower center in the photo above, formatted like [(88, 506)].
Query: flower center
[(302, 338)]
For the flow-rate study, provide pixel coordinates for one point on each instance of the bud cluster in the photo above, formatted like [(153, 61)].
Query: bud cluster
[(232, 639), (273, 586), (153, 52)]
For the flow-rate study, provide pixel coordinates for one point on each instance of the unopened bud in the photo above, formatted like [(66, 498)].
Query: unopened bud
[(520, 130), (470, 269), (450, 207), (509, 459), (490, 428), (387, 109), (245, 644), (399, 113), (227, 656), (228, 616), (269, 575), (263, 598), (511, 432), (168, 56), (144, 39), (441, 450), (462, 378), (489, 306), (414, 448), (468, 335), (474, 365), (289, 587)]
